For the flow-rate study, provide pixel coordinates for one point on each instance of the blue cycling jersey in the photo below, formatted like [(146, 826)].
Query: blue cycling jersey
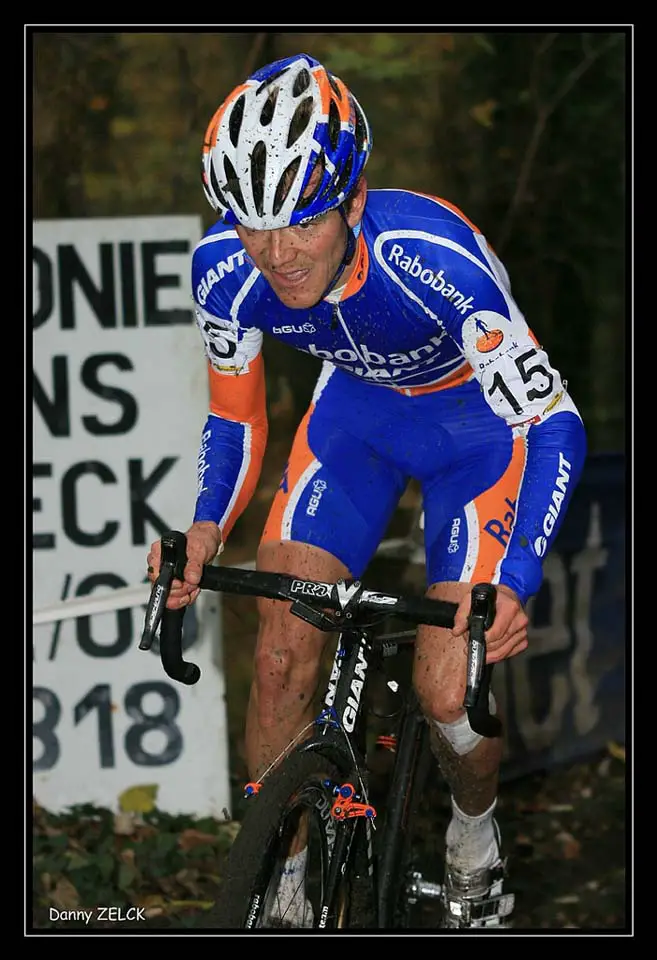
[(428, 308)]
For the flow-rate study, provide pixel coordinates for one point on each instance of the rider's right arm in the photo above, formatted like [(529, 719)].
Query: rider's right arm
[(235, 433)]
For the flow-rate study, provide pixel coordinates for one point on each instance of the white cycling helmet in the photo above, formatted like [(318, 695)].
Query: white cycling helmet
[(267, 137)]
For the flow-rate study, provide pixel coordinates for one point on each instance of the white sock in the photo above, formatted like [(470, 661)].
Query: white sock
[(471, 843), (296, 863)]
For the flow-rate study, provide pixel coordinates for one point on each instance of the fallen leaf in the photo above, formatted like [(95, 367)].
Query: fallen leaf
[(149, 901), (65, 896), (483, 112), (570, 847), (616, 750), (523, 838), (139, 799), (198, 904), (189, 880), (193, 838)]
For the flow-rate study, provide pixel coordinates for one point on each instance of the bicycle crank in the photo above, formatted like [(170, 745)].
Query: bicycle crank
[(417, 888)]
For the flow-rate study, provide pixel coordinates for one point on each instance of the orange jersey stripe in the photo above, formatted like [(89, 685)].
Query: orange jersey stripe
[(249, 481), (492, 507), (301, 457), (458, 376), (361, 267), (450, 206)]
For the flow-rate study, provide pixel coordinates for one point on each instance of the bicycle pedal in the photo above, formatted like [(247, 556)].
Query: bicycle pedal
[(467, 911)]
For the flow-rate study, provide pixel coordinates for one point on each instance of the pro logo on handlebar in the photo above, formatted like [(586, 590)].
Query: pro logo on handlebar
[(311, 589)]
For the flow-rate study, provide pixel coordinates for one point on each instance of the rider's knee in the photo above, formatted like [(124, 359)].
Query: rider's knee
[(272, 666), (439, 702), (287, 648)]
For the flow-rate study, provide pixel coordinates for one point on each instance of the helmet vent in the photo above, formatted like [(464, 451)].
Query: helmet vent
[(345, 173), (287, 179), (214, 185), (361, 130), (301, 83), (334, 86), (300, 120), (267, 111), (233, 185), (235, 121), (305, 200), (334, 125), (274, 76), (258, 167)]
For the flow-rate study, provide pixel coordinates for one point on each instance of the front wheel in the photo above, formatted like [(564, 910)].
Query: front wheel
[(289, 817)]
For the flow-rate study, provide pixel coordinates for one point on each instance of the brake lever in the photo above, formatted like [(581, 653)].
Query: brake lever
[(478, 673), (172, 566)]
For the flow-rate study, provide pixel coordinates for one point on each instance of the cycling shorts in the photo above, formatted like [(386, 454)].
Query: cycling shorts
[(354, 453)]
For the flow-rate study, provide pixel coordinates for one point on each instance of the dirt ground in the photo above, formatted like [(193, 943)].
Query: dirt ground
[(564, 829)]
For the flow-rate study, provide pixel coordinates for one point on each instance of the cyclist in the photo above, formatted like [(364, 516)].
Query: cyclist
[(429, 372)]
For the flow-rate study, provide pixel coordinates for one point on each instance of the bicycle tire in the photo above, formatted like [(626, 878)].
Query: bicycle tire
[(252, 869)]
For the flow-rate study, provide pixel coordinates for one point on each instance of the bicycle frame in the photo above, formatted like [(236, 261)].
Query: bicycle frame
[(341, 725), (342, 738)]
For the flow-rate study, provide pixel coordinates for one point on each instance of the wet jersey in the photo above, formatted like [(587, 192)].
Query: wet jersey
[(427, 309)]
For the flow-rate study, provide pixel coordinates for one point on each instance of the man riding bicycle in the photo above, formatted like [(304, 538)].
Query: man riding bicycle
[(429, 372)]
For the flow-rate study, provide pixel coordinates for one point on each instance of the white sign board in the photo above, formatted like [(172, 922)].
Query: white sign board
[(119, 401)]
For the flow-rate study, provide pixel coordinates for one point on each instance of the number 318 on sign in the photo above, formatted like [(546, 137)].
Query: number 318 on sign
[(151, 738)]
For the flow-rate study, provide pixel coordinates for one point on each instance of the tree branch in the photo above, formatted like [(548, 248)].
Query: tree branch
[(544, 113), (254, 52)]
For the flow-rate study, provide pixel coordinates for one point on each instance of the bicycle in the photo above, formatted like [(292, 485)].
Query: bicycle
[(319, 787)]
